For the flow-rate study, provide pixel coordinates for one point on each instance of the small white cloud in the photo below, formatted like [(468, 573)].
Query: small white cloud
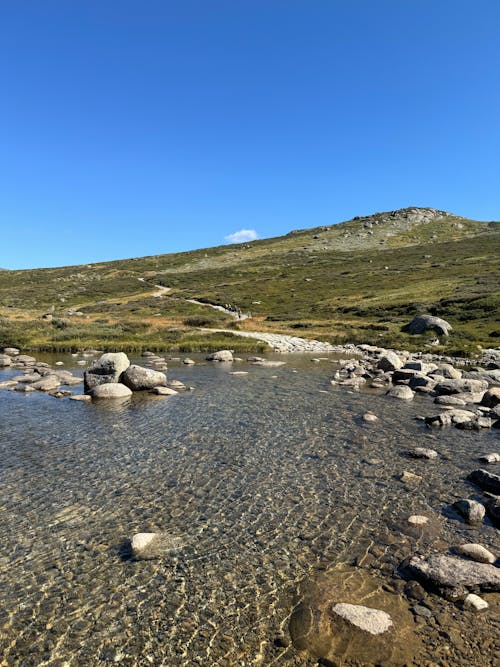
[(242, 236)]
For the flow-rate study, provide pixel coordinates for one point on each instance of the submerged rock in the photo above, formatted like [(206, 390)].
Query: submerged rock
[(374, 621), (164, 391), (335, 627), (418, 520), (147, 546), (423, 453), (454, 577)]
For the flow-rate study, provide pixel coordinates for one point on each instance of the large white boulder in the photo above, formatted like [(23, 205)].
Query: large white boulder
[(106, 369)]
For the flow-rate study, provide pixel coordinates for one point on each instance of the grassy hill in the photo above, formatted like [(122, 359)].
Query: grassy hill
[(358, 281)]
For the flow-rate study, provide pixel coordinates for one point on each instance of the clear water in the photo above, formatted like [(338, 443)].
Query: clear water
[(271, 480)]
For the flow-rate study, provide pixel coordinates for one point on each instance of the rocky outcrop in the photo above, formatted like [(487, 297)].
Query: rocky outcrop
[(107, 369), (138, 378)]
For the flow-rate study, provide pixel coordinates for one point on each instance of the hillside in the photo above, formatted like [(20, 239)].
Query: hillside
[(359, 280)]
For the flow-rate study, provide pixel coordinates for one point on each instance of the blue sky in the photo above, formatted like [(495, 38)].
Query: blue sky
[(131, 127)]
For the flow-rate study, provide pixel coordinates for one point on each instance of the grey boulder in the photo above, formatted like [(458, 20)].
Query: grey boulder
[(422, 323), (107, 368), (138, 378), (221, 355), (487, 481)]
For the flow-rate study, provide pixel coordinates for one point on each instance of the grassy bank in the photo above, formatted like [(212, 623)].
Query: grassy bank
[(359, 281)]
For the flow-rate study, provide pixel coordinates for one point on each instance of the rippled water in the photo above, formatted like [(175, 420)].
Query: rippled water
[(271, 480)]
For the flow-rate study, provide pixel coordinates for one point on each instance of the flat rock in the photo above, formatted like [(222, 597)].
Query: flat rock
[(410, 479), (477, 552), (471, 510), (445, 387), (11, 351), (138, 378), (47, 383), (418, 520), (25, 359), (221, 355), (423, 453), (486, 480), (374, 621), (455, 577), (268, 363), (147, 546), (452, 400), (80, 397), (370, 417), (164, 391), (110, 390), (188, 362)]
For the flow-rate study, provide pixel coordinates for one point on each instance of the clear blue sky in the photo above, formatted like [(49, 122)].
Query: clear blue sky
[(135, 127)]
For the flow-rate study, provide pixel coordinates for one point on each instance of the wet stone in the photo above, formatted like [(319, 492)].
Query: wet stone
[(471, 510)]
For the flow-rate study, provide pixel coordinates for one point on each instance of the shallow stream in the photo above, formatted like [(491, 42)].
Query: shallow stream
[(272, 478)]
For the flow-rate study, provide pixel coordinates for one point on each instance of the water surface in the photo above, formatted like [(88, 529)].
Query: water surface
[(272, 478)]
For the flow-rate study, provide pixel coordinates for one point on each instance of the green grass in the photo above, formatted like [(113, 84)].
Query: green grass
[(344, 286)]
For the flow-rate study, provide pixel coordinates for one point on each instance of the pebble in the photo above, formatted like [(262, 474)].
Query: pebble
[(476, 552), (418, 520), (420, 610), (370, 417), (423, 453)]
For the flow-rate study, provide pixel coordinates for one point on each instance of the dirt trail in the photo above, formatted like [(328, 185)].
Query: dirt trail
[(279, 342)]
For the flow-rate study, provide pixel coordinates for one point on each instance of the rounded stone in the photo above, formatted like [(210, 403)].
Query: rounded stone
[(111, 390)]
